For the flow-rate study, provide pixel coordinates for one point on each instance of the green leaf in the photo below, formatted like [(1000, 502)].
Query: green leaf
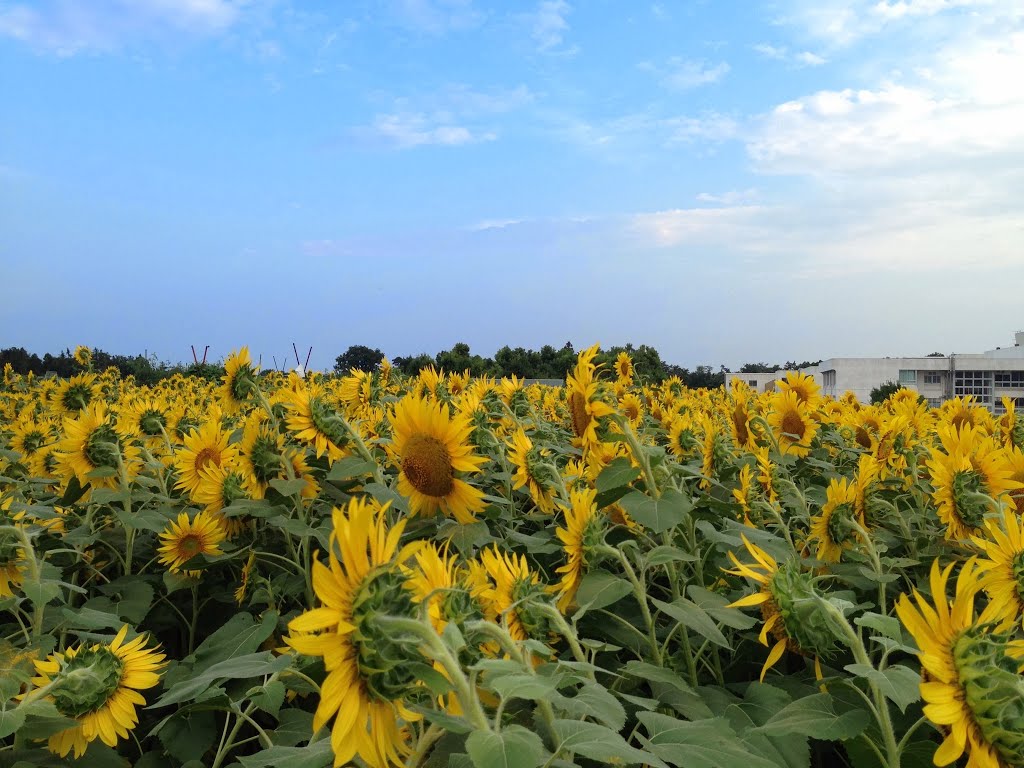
[(293, 727), (43, 589), (289, 487), (815, 716), (658, 515), (523, 686), (594, 701), (889, 626), (514, 747), (88, 618), (239, 667), (900, 684), (270, 697), (147, 519), (617, 473), (10, 720), (666, 554), (670, 688), (315, 755), (348, 468), (238, 636), (599, 589), (692, 616), (710, 743), (717, 607), (465, 538), (131, 596), (188, 736), (599, 743), (43, 720)]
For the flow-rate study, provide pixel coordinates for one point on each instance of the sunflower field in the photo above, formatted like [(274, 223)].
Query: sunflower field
[(432, 571)]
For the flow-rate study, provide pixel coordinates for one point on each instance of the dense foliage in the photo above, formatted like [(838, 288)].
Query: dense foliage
[(441, 570)]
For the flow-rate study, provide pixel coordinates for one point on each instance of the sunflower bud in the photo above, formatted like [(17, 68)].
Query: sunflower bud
[(86, 681), (796, 598)]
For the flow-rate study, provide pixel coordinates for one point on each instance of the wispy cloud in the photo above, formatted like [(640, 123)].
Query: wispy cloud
[(435, 17), (408, 130), (682, 74), (67, 28), (731, 197), (782, 53), (550, 26)]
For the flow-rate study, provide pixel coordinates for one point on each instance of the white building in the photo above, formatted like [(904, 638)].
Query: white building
[(989, 376)]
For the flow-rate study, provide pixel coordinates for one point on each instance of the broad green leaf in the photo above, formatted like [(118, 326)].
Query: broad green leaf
[(710, 743), (239, 667), (599, 743), (238, 636), (289, 487), (189, 735), (131, 597), (692, 616), (11, 719), (45, 588), (658, 515), (514, 747), (889, 626), (619, 472), (669, 688), (43, 720), (147, 519), (315, 755), (599, 589), (465, 538), (717, 607), (294, 726), (900, 684), (666, 554), (816, 717), (594, 701), (522, 686), (348, 468), (270, 697), (87, 618)]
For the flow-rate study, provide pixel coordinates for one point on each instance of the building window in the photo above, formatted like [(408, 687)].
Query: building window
[(932, 377), (752, 382), (908, 377), (977, 383), (934, 402), (1009, 379)]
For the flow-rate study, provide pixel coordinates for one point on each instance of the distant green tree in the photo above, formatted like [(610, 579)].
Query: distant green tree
[(360, 357), (758, 368), (883, 392), (935, 354)]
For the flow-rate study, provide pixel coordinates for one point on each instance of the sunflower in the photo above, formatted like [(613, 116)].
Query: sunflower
[(261, 454), (368, 669), (803, 386), (28, 437), (832, 528), (969, 476), (1013, 460), (147, 417), (532, 470), (739, 422), (243, 582), (513, 594), (312, 420), (682, 436), (239, 380), (631, 408), (206, 446), (743, 492), (90, 443), (83, 355), (219, 487), (98, 686), (12, 560), (970, 673), (791, 421), (431, 446), (584, 531), (964, 412), (624, 366), (184, 539), (1001, 568), (788, 601), (582, 392), (75, 394), (1010, 427)]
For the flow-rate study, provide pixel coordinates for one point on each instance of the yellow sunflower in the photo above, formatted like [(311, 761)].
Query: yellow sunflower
[(184, 539), (832, 528), (787, 598), (631, 408), (739, 422), (28, 437), (90, 443), (366, 679), (970, 673), (83, 355), (792, 424), (682, 436), (803, 386), (583, 532), (742, 493), (624, 366), (430, 446), (969, 476), (12, 560), (261, 454), (312, 420), (75, 394), (104, 705), (239, 383), (1001, 568), (207, 446), (531, 470), (582, 392), (513, 590)]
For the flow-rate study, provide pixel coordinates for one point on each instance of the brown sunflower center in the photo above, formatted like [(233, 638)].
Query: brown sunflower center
[(207, 456), (863, 438), (580, 417), (190, 546), (427, 465), (739, 420), (631, 410), (793, 425)]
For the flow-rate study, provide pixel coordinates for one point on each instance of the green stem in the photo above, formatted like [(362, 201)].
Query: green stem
[(640, 593), (639, 453)]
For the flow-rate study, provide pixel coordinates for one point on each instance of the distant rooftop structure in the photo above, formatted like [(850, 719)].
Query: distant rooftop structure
[(988, 376)]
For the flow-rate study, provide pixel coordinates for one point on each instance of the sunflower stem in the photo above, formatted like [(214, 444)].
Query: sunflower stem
[(556, 618), (640, 593), (639, 453), (423, 745)]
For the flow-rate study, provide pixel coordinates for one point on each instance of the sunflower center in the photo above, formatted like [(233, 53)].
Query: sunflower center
[(427, 465), (631, 410), (793, 425), (101, 447), (968, 497), (206, 456), (87, 682), (189, 546), (384, 658), (863, 438), (993, 689), (580, 415)]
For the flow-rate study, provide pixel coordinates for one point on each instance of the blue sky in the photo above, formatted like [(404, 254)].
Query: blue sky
[(727, 180)]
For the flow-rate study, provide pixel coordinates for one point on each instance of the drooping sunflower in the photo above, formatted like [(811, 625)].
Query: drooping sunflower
[(209, 445), (792, 424), (514, 592), (243, 580), (531, 470), (239, 383), (969, 476), (312, 420), (75, 394), (368, 669), (832, 528), (184, 539), (743, 492), (260, 455), (430, 446), (582, 394), (970, 673), (105, 706), (28, 437), (1001, 569), (90, 442), (583, 532), (790, 613), (83, 355), (682, 436)]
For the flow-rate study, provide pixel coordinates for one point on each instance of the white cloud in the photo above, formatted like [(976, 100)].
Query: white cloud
[(550, 25), (682, 75), (67, 28), (435, 17), (409, 130), (731, 197), (782, 53)]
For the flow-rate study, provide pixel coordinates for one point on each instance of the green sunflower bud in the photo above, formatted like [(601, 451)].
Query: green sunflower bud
[(994, 689)]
